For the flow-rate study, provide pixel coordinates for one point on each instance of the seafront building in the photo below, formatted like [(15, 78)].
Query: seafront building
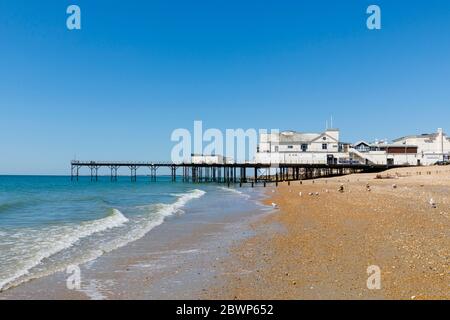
[(302, 148), (290, 147)]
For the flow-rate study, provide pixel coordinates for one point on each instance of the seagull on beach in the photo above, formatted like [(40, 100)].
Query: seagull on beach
[(300, 194), (432, 203), (274, 205), (341, 188), (394, 186)]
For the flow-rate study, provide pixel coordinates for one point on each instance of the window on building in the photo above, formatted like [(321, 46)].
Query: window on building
[(324, 146), (290, 147), (363, 147), (276, 148), (324, 138), (304, 147)]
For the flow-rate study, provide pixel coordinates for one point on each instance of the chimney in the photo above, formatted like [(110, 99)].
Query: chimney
[(440, 139)]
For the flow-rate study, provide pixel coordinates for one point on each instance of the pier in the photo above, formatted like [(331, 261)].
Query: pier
[(243, 173)]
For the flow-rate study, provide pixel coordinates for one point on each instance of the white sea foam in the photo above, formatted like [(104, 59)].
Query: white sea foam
[(94, 291), (187, 251), (235, 191), (55, 239), (155, 215), (60, 238)]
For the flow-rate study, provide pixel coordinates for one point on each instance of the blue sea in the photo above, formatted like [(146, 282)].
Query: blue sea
[(49, 222)]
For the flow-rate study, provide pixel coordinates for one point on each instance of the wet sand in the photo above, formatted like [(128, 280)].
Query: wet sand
[(324, 243)]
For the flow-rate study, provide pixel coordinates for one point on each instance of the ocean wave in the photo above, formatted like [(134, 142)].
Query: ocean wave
[(235, 191), (56, 239), (154, 215), (183, 199)]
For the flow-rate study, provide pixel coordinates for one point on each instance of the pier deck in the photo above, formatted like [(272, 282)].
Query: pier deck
[(237, 173)]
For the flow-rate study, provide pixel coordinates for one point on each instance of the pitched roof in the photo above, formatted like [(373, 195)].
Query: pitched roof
[(292, 136), (361, 142), (324, 135)]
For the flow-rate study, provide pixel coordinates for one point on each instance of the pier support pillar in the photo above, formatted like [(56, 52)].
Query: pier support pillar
[(173, 170), (113, 169), (133, 173)]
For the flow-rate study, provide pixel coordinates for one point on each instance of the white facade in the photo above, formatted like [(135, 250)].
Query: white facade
[(384, 157), (325, 148), (297, 147), (431, 147)]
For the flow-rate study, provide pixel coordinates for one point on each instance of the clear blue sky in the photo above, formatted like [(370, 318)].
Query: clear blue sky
[(139, 69)]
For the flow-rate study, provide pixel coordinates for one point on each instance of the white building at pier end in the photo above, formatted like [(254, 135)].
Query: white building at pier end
[(301, 148)]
